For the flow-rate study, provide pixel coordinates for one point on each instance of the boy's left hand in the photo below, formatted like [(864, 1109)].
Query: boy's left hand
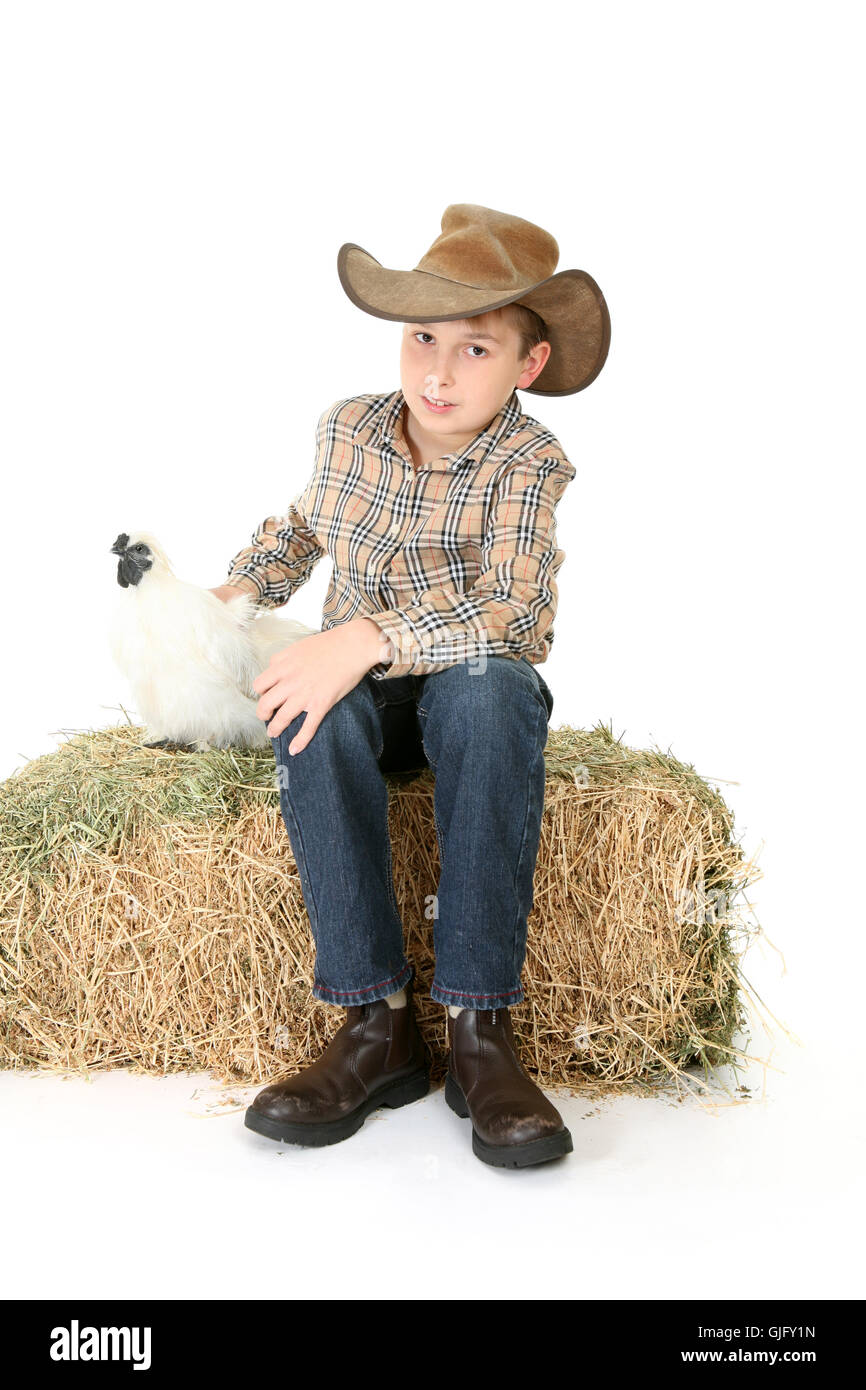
[(314, 673)]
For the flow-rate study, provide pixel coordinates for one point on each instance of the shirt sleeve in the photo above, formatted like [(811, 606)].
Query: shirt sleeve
[(510, 607), (284, 549)]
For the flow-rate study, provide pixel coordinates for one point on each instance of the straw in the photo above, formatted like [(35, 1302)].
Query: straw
[(151, 916)]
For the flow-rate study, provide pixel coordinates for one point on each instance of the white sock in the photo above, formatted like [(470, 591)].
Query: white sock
[(455, 1009), (396, 1001)]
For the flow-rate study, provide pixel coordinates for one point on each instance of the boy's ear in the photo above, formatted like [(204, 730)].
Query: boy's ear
[(542, 353)]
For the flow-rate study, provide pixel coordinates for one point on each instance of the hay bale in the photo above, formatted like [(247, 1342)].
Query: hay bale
[(151, 916)]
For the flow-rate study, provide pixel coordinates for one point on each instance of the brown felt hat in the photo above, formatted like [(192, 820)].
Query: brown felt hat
[(482, 260)]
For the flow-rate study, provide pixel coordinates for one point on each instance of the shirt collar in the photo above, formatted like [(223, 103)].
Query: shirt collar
[(383, 420)]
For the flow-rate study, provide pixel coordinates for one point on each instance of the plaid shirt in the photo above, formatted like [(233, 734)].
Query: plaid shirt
[(452, 559)]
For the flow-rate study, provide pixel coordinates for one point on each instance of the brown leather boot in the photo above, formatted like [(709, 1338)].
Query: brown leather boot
[(513, 1122), (378, 1057)]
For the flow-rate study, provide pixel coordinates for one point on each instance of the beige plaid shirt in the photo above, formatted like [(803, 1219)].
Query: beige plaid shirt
[(453, 560)]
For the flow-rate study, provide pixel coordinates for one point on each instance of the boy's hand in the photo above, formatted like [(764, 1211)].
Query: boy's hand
[(229, 591), (314, 673)]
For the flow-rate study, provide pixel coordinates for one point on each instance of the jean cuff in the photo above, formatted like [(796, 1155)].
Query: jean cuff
[(503, 1000), (380, 990)]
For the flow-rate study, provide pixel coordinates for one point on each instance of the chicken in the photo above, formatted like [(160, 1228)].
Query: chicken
[(189, 657)]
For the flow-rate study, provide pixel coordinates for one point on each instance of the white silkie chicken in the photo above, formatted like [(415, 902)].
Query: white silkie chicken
[(189, 657)]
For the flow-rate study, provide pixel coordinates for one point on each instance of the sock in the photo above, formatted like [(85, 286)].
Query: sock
[(396, 1001), (455, 1009)]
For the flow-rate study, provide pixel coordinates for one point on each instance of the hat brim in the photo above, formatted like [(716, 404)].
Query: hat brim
[(570, 302)]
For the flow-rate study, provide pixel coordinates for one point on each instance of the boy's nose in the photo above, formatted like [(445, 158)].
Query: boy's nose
[(434, 386)]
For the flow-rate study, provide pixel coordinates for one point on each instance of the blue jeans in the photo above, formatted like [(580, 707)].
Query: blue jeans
[(483, 733)]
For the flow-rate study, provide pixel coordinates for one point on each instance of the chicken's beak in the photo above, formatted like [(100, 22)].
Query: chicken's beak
[(119, 547)]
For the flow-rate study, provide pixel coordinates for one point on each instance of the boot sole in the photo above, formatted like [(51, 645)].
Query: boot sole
[(317, 1134), (508, 1155)]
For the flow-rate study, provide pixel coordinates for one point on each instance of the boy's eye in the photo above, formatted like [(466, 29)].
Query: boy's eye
[(475, 346)]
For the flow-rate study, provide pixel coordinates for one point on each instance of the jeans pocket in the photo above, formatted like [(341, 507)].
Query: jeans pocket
[(544, 688), (373, 687), (547, 693)]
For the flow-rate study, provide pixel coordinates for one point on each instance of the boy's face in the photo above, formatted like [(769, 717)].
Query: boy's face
[(476, 366)]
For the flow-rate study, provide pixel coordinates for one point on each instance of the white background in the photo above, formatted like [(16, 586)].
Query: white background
[(177, 179)]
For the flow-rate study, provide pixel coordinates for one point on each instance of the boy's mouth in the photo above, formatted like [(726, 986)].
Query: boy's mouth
[(437, 407)]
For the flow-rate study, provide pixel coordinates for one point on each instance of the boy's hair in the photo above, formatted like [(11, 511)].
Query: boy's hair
[(530, 326)]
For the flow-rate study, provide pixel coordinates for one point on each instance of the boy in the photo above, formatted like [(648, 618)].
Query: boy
[(436, 503)]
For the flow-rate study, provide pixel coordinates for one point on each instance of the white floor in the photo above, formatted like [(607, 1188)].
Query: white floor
[(136, 1186)]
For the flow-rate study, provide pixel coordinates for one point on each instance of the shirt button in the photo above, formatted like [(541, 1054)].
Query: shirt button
[(395, 529)]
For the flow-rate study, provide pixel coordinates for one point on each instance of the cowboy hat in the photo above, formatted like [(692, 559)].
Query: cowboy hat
[(482, 260)]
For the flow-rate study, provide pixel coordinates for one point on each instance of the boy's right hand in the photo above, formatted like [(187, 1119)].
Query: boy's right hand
[(227, 591)]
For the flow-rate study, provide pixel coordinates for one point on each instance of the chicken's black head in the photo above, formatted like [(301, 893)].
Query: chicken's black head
[(134, 560)]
